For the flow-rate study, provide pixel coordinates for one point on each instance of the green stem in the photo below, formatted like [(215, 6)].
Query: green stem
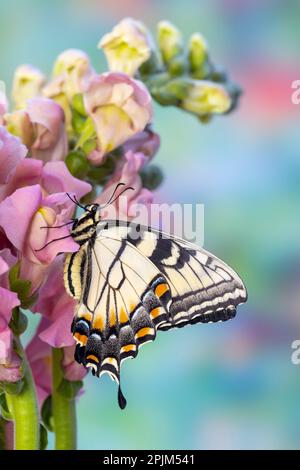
[(2, 434), (64, 412), (24, 409)]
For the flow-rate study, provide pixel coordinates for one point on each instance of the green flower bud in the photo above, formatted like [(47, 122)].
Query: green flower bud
[(78, 122), (12, 388), (197, 52), (21, 287), (169, 40), (171, 93), (88, 132), (152, 177), (206, 97), (151, 66), (89, 146), (100, 174), (18, 323), (177, 66), (5, 413), (78, 104), (77, 163)]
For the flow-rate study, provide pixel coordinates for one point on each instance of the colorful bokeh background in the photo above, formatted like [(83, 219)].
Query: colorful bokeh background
[(230, 385)]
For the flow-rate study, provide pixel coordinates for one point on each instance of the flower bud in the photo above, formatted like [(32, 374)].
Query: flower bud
[(77, 163), (127, 46), (27, 83), (197, 52), (169, 40), (152, 177), (205, 97)]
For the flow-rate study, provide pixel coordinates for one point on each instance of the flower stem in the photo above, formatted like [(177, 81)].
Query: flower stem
[(2, 434), (63, 408), (24, 409)]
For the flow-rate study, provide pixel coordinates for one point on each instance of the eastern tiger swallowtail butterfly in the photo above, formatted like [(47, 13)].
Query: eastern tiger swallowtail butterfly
[(131, 281)]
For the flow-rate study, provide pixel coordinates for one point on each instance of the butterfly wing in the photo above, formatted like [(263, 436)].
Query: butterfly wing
[(136, 281), (202, 287), (123, 301)]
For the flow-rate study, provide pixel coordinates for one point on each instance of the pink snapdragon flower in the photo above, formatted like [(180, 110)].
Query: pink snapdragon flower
[(120, 108), (127, 46), (147, 142), (39, 355), (71, 74), (27, 83), (29, 208), (127, 172), (3, 103), (24, 213), (9, 361), (48, 122), (57, 308), (12, 152), (41, 127)]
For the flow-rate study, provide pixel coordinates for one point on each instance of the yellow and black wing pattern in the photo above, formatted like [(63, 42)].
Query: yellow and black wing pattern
[(131, 281)]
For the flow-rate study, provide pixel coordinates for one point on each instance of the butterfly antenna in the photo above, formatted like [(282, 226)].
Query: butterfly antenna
[(59, 226), (122, 192), (76, 202), (52, 241), (114, 192)]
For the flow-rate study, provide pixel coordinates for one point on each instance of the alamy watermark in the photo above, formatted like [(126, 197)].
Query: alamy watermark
[(181, 220), (295, 356), (296, 93)]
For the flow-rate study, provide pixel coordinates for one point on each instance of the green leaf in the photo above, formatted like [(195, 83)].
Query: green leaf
[(5, 413), (2, 434), (47, 414), (69, 389), (43, 437)]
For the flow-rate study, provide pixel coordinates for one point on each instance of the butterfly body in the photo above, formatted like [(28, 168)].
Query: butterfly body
[(131, 281)]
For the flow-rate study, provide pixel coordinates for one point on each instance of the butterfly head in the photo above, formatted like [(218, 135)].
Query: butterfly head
[(84, 228)]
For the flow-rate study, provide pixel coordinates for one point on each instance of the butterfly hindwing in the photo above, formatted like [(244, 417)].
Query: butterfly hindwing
[(123, 301)]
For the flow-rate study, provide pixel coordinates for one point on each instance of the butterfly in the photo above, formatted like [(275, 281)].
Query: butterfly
[(131, 281)]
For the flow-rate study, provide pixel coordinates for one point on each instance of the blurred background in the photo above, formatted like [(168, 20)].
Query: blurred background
[(230, 385)]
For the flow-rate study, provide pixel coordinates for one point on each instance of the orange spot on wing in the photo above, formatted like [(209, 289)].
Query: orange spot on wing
[(80, 338), (128, 347), (155, 312), (123, 316), (112, 318), (92, 357), (98, 323), (87, 316), (143, 332), (161, 289)]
